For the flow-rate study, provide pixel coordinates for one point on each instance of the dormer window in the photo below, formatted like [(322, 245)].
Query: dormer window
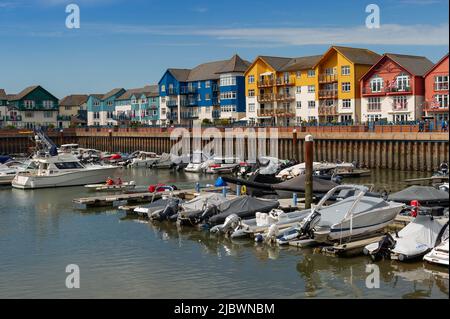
[(29, 104), (376, 84)]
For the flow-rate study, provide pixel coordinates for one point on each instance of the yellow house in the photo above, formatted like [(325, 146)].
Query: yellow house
[(272, 88), (337, 78)]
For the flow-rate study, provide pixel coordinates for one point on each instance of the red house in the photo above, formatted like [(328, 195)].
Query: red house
[(436, 91), (394, 88)]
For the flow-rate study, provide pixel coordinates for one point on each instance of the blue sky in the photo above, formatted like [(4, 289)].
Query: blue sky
[(129, 43)]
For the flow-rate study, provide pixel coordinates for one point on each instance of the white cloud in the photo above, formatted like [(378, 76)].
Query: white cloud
[(200, 9), (388, 34), (420, 2)]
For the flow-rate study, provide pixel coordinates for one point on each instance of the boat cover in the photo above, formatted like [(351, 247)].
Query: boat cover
[(244, 206), (4, 159), (419, 236), (424, 194), (297, 184), (200, 202)]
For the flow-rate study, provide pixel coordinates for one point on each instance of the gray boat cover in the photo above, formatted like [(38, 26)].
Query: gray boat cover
[(203, 200), (297, 184), (244, 207), (419, 236), (424, 194)]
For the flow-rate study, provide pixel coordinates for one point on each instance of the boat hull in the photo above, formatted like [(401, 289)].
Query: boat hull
[(77, 178)]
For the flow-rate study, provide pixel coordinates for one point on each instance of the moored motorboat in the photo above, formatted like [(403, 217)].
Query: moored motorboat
[(199, 162), (111, 187), (438, 255), (144, 159)]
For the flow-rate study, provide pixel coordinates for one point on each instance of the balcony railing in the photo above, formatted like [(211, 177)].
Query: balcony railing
[(13, 118), (189, 115), (328, 94), (286, 81), (266, 83), (172, 116), (266, 98), (189, 102), (172, 91), (441, 86), (328, 78), (216, 114), (285, 97), (64, 118), (188, 90), (215, 101), (436, 106), (275, 113), (328, 110), (172, 103)]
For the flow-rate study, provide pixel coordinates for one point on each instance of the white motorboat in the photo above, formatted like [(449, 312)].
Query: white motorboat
[(352, 217), (145, 159), (9, 170), (165, 161), (438, 255), (200, 161), (299, 169), (222, 165), (416, 239), (61, 170)]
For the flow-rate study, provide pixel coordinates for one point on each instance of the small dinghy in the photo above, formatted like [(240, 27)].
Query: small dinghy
[(426, 195), (115, 187), (412, 242), (242, 207)]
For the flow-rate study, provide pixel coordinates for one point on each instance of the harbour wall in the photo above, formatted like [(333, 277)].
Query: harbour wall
[(386, 148)]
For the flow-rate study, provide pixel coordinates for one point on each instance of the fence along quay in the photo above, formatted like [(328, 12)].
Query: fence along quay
[(388, 147)]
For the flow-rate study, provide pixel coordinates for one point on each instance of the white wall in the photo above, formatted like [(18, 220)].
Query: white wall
[(414, 109), (304, 97)]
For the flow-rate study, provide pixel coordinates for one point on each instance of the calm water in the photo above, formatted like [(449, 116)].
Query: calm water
[(41, 233)]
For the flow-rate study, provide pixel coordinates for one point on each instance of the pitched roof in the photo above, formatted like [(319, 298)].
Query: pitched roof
[(181, 75), (148, 91), (73, 100), (206, 71), (416, 65), (354, 55), (27, 91), (10, 96), (97, 96), (3, 95), (235, 64), (301, 63), (277, 63), (111, 93), (436, 65)]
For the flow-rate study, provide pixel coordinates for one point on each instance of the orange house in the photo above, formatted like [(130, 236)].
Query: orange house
[(436, 91)]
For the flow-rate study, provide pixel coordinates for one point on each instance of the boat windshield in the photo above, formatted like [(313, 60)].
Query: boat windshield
[(68, 165)]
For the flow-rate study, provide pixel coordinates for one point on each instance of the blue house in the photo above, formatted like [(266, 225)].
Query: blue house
[(214, 90), (101, 107)]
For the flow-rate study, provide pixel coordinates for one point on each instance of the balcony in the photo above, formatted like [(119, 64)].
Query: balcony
[(285, 97), (189, 115), (328, 110), (172, 103), (328, 78), (13, 118), (266, 83), (328, 94), (398, 90), (275, 113), (172, 116), (216, 114), (172, 91), (266, 98), (189, 102), (124, 117), (215, 101), (188, 90), (441, 86), (286, 81), (64, 118), (436, 106)]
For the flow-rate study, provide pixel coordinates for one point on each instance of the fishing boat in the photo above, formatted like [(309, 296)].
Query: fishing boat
[(145, 159), (114, 187), (61, 170), (353, 217), (200, 161), (222, 165), (415, 240)]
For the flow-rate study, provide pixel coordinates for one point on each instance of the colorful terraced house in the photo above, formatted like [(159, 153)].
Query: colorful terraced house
[(281, 91), (101, 108), (32, 107), (338, 73), (393, 89), (436, 91), (73, 110), (210, 91), (138, 105)]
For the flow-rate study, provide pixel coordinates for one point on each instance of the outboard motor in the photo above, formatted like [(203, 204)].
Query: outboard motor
[(310, 222), (209, 212), (272, 233), (384, 248), (231, 222), (165, 214)]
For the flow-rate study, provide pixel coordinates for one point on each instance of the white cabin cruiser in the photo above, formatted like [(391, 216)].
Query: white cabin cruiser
[(61, 170), (352, 217), (9, 170), (200, 161), (300, 169), (145, 159)]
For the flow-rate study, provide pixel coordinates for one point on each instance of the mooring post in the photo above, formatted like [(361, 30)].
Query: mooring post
[(295, 145), (309, 154)]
